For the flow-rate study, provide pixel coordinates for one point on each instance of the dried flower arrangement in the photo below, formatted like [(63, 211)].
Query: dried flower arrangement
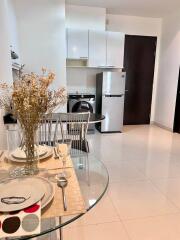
[(29, 98), (31, 93), (5, 97)]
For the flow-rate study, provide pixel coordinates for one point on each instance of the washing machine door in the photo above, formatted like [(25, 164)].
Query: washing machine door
[(82, 106)]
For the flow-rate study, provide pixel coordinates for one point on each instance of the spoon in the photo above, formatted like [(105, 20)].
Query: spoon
[(62, 183)]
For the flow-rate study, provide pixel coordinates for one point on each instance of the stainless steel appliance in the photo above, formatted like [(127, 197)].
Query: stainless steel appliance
[(110, 89), (83, 102)]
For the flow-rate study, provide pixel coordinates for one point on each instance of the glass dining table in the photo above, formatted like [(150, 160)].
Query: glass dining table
[(93, 180)]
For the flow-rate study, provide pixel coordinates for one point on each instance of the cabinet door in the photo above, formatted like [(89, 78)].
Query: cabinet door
[(115, 49), (77, 44), (97, 48)]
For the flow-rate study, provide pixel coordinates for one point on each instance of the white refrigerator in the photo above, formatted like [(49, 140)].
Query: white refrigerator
[(110, 90)]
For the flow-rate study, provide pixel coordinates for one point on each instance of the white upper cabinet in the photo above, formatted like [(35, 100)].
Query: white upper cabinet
[(115, 49), (97, 48), (100, 48), (77, 44)]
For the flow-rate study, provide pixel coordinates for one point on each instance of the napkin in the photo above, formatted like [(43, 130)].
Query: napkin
[(21, 223)]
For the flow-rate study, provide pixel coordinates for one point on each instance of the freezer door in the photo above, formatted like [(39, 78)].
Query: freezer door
[(113, 83), (112, 109)]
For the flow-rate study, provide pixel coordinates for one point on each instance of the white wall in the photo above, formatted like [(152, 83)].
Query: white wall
[(12, 21), (41, 28), (84, 17), (168, 71), (5, 63), (134, 25)]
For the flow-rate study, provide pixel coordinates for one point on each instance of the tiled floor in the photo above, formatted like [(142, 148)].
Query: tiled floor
[(143, 199)]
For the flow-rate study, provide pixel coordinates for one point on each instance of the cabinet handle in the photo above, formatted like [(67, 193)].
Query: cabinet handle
[(106, 66), (83, 58)]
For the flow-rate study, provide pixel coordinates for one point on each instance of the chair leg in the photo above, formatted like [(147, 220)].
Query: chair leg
[(87, 169), (81, 166), (86, 146), (60, 230)]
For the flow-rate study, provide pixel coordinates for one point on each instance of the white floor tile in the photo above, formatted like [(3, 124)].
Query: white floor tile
[(157, 228), (107, 231), (138, 199), (170, 188), (158, 168), (123, 170), (103, 212)]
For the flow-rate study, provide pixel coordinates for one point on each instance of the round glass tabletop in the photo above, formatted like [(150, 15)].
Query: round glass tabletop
[(93, 180), (93, 118)]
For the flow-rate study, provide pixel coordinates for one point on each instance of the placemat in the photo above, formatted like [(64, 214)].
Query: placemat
[(75, 201), (21, 223)]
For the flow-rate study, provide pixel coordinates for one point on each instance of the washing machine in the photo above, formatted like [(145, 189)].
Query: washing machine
[(82, 103)]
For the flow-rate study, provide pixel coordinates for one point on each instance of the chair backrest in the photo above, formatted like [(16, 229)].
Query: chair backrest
[(74, 127), (47, 126), (62, 127)]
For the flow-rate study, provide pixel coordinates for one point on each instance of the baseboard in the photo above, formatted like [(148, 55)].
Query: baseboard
[(161, 126)]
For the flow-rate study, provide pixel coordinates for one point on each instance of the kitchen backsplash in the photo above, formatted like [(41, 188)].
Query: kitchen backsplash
[(82, 80)]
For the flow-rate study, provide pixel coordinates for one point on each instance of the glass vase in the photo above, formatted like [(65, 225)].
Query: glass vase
[(29, 144), (30, 147)]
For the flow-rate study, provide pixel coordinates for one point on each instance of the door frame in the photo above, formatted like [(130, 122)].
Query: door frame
[(177, 105)]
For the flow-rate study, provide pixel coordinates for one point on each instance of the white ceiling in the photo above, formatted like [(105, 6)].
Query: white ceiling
[(147, 8)]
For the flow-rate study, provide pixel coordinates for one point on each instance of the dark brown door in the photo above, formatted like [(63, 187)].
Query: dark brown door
[(139, 59), (177, 109)]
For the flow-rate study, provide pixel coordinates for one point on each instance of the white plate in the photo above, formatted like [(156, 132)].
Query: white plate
[(20, 193), (47, 155), (20, 154), (49, 192)]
